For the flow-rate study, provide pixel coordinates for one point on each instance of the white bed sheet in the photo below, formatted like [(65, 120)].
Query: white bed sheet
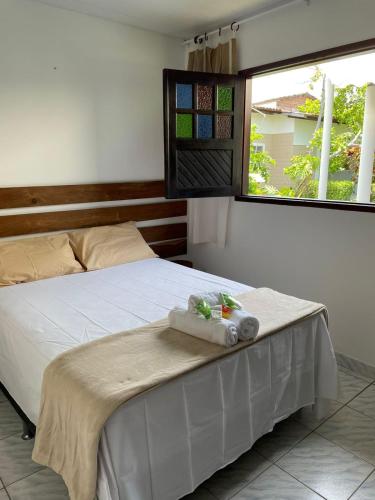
[(163, 443), (42, 319)]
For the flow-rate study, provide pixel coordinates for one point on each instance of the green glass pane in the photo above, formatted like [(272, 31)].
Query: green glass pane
[(184, 126), (224, 98)]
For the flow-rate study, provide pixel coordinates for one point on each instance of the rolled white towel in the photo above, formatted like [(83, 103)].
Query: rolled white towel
[(247, 324), (217, 331), (212, 299)]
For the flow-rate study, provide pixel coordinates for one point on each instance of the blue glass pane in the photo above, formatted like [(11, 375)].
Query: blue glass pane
[(184, 96), (204, 127)]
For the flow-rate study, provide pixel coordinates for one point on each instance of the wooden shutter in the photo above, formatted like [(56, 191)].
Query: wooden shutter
[(203, 133)]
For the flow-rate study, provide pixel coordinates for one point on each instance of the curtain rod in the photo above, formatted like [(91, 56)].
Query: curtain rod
[(235, 25)]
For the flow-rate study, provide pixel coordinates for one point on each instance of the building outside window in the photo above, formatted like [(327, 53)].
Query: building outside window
[(307, 131)]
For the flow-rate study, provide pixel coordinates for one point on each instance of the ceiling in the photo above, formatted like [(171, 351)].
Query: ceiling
[(179, 18)]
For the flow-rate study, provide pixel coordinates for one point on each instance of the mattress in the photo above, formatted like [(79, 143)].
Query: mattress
[(165, 442), (42, 319)]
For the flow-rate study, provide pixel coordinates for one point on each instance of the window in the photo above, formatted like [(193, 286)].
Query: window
[(298, 132), (311, 130), (259, 147)]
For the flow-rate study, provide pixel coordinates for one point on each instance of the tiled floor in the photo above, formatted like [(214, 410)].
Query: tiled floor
[(302, 459)]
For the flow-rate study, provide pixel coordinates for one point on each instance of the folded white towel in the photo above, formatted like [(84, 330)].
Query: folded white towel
[(247, 324), (212, 299), (217, 331)]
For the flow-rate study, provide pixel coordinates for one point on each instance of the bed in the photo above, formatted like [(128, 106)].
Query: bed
[(163, 443)]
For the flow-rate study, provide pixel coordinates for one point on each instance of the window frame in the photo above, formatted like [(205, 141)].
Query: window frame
[(291, 63), (260, 145)]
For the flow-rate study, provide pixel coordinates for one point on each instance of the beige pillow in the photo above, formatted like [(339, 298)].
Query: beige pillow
[(106, 246), (34, 259)]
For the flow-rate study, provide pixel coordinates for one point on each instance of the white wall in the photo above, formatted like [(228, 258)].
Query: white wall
[(303, 131), (273, 124), (319, 254), (80, 97)]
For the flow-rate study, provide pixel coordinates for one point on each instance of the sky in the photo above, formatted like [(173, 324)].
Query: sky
[(355, 69)]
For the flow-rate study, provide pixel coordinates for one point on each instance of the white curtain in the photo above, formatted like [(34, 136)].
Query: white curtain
[(208, 217), (208, 220)]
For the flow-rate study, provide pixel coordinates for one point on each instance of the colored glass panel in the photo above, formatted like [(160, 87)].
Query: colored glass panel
[(205, 97), (224, 98), (224, 127), (184, 126), (204, 127), (184, 96)]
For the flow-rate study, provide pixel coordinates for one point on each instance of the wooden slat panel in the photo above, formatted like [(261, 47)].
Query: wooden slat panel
[(165, 232), (170, 248), (15, 225), (38, 196)]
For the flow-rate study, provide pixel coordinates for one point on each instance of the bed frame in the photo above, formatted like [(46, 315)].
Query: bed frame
[(167, 239)]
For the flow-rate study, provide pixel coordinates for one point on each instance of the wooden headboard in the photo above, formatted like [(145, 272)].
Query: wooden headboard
[(167, 240)]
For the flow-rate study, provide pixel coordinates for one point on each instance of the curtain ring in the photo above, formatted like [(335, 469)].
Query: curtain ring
[(196, 39), (205, 37), (232, 26), (219, 31)]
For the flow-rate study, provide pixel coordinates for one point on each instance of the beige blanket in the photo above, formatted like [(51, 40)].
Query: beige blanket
[(85, 385)]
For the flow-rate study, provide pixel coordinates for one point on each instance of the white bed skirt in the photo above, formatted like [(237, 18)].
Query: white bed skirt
[(162, 444)]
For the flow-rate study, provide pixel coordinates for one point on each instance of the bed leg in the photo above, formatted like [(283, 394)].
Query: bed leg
[(28, 432), (28, 428)]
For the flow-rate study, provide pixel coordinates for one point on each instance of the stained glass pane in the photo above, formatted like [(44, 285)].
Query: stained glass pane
[(204, 97), (184, 126), (224, 98), (184, 96), (224, 127), (204, 128)]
